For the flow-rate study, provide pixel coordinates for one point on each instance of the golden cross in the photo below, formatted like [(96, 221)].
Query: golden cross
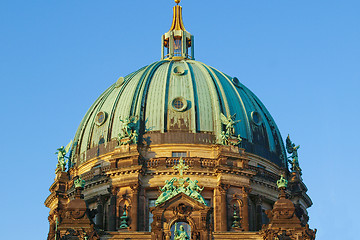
[(181, 167)]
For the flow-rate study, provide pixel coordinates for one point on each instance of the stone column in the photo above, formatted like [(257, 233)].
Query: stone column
[(112, 209), (134, 206), (100, 213), (245, 213), (258, 212), (220, 208)]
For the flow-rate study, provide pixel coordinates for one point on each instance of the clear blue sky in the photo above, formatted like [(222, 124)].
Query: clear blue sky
[(301, 58)]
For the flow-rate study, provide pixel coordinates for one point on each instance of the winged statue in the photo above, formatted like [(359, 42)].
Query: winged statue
[(61, 155), (229, 122), (293, 150), (129, 124)]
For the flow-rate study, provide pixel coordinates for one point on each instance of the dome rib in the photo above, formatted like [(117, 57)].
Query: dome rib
[(116, 102), (194, 99)]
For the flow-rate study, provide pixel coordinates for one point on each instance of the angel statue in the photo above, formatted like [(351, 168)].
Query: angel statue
[(129, 124), (229, 122), (292, 149), (61, 155), (180, 234)]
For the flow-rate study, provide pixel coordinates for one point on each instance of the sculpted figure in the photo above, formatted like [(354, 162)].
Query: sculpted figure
[(168, 191), (229, 122), (61, 156), (194, 190), (292, 149), (181, 234), (129, 130), (224, 138)]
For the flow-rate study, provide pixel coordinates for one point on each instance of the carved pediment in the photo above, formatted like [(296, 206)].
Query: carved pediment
[(182, 198)]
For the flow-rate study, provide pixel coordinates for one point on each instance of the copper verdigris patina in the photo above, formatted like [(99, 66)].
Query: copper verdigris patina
[(61, 155), (229, 136), (180, 234), (292, 149), (186, 186)]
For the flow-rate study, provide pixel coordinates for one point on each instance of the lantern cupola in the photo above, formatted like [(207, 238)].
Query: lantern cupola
[(177, 43)]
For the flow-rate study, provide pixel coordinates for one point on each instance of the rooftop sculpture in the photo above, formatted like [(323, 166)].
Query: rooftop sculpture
[(61, 156), (292, 149), (129, 133), (186, 186), (228, 137)]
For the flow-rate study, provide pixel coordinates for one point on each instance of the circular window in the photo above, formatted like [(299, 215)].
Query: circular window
[(256, 118), (236, 81), (179, 70), (179, 104), (100, 118), (119, 82)]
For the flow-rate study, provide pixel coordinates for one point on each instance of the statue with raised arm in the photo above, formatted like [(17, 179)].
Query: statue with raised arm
[(168, 191), (194, 191), (129, 130), (61, 156), (292, 149), (180, 234), (229, 123)]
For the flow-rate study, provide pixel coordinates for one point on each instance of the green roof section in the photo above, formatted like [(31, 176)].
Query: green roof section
[(183, 95)]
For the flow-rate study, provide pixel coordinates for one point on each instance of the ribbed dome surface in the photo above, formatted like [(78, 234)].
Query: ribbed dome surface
[(179, 102)]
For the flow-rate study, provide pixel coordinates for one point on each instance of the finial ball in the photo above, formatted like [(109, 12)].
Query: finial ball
[(177, 1)]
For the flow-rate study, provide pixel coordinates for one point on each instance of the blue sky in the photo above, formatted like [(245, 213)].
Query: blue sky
[(301, 58)]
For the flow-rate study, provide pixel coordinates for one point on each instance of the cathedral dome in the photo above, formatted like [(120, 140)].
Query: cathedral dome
[(176, 142), (178, 101)]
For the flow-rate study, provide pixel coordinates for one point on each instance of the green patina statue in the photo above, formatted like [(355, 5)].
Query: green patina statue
[(129, 130), (282, 182), (228, 137), (180, 234), (79, 183), (236, 218), (61, 155), (186, 186), (229, 122), (292, 149), (124, 218)]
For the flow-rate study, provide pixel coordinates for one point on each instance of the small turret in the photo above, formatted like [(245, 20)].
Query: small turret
[(177, 43)]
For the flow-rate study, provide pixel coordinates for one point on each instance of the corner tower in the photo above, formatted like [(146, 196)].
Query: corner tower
[(175, 150)]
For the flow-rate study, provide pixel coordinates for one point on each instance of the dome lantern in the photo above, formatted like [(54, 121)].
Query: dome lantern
[(177, 43)]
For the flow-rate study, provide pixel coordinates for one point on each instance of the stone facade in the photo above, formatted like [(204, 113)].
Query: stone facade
[(126, 179)]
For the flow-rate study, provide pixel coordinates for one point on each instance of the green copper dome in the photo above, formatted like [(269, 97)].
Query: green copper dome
[(178, 102)]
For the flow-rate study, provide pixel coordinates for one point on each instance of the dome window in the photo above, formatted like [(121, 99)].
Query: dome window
[(119, 82), (236, 81), (179, 70), (256, 118), (179, 104), (100, 118)]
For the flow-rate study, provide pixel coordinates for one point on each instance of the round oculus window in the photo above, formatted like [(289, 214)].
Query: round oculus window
[(119, 82), (100, 118), (179, 104), (236, 81), (256, 118), (179, 70)]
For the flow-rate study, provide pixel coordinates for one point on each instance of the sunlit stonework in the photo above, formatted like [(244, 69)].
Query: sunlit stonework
[(178, 150)]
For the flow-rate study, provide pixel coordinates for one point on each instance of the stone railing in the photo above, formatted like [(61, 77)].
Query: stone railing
[(264, 174), (172, 161)]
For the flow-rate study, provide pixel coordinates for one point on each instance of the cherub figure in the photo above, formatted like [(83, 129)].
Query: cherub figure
[(61, 155), (292, 149)]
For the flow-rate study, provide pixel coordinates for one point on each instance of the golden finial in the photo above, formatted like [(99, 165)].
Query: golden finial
[(177, 2)]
